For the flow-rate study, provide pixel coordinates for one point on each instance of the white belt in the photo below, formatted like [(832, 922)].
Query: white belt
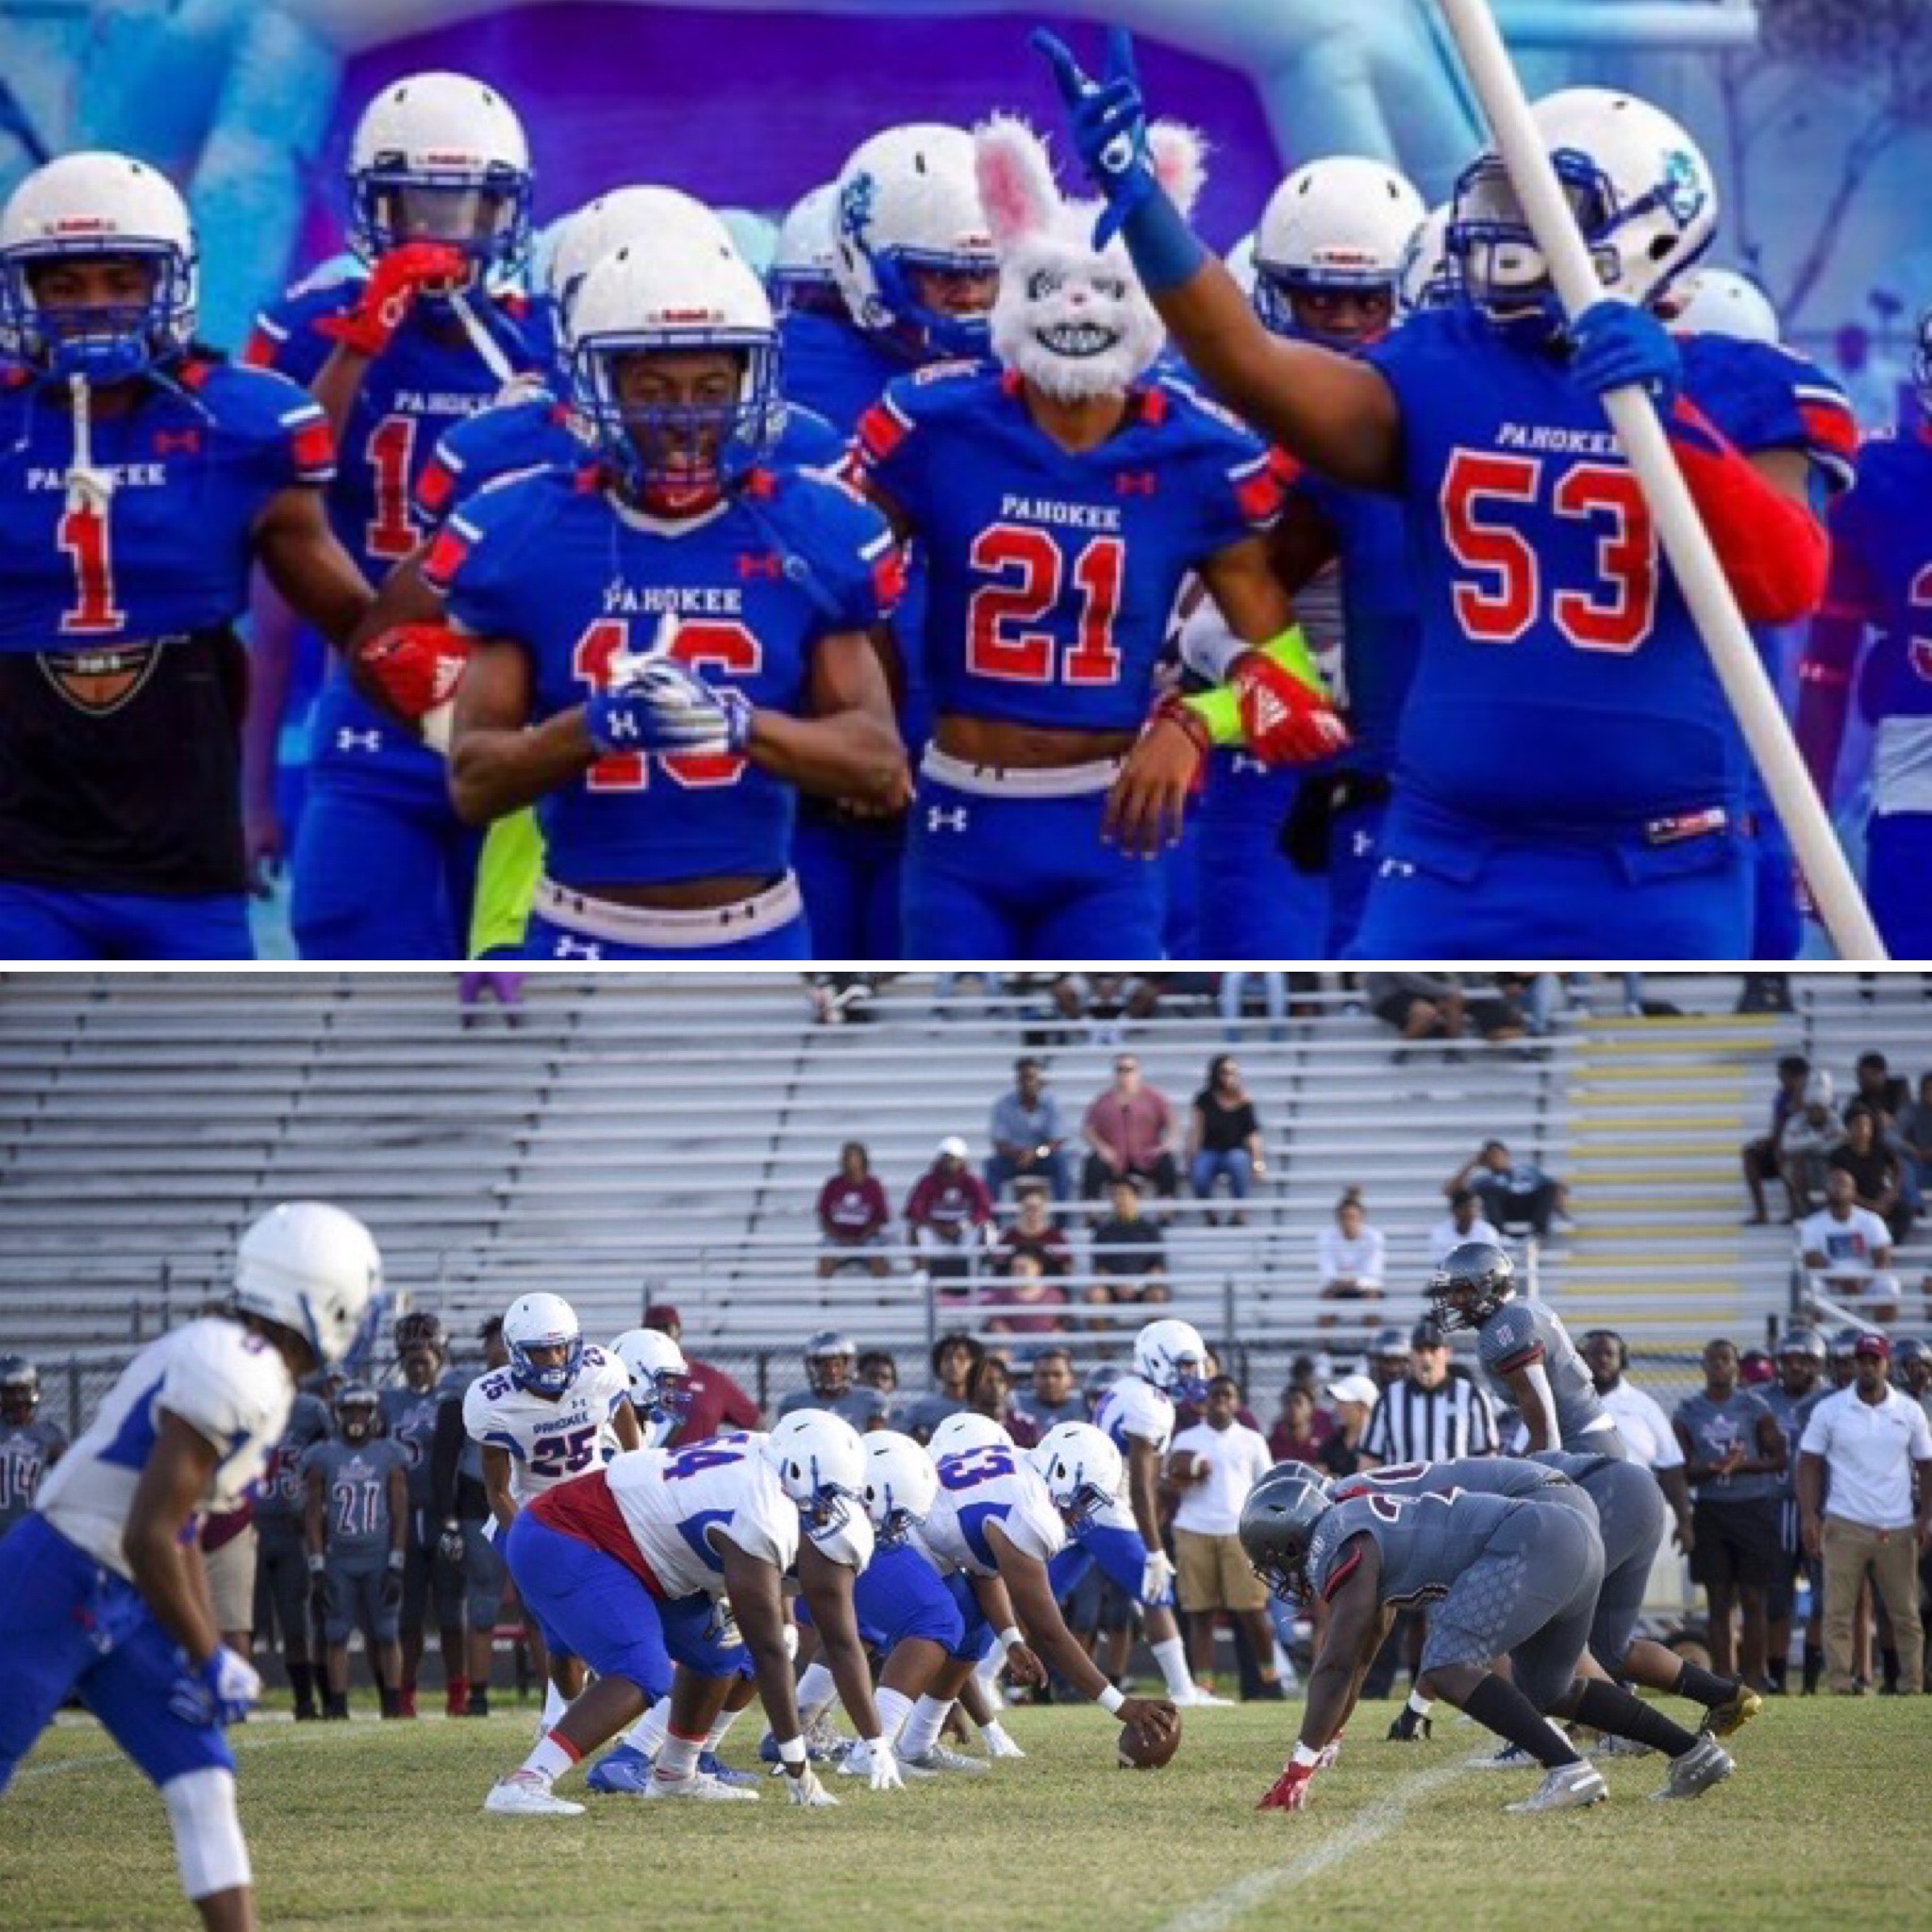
[(666, 931), (1020, 781)]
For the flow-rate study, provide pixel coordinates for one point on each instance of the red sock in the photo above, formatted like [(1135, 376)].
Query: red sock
[(405, 1700), (456, 1696)]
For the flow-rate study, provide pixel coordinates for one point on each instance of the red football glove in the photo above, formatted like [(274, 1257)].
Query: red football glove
[(1283, 720), (1290, 1791), (391, 288), (416, 666)]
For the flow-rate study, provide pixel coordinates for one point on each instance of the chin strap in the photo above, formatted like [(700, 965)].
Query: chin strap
[(87, 487), (485, 345)]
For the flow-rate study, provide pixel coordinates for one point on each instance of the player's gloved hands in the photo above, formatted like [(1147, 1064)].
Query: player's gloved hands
[(880, 1764), (450, 1546), (1109, 118), (1617, 344), (1331, 1752), (393, 1581), (221, 1690), (416, 667), (1285, 719), (1290, 1791), (1410, 1727), (661, 705), (804, 1789), (391, 291), (1149, 799), (1156, 1576)]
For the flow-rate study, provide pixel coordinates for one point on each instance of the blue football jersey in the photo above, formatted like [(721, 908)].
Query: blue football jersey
[(1052, 573), (835, 368), (552, 562), (1560, 677)]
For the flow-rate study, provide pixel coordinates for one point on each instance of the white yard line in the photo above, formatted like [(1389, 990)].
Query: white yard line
[(1373, 1823)]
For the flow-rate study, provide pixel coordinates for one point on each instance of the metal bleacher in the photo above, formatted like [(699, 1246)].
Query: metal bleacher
[(668, 1135)]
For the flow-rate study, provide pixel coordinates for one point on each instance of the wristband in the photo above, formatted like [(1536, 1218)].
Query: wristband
[(1173, 709), (1220, 710), (791, 1752), (1164, 249), (1011, 1636), (1304, 1759), (1111, 1700)]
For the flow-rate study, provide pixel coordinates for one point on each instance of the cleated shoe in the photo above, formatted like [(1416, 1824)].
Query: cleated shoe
[(1624, 1747), (1725, 1719), (1705, 1764), (714, 1766), (1568, 1788), (704, 1789), (943, 1758), (1198, 1697), (525, 1793), (626, 1768)]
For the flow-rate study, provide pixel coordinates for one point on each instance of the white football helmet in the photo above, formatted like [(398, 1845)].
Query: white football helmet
[(908, 199), (657, 1368), (1341, 223), (1721, 302), (821, 1463), (441, 158), (1240, 264), (1639, 187), (542, 1321), (1081, 1468), (96, 205), (805, 265), (312, 1268), (1427, 278), (968, 1430), (1172, 1356), (638, 213), (901, 1484), (676, 292)]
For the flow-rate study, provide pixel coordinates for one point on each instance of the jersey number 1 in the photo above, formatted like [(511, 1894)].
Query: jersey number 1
[(83, 535), (1003, 639), (391, 533)]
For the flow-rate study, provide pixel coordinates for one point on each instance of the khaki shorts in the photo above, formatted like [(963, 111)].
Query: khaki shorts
[(231, 1581), (1212, 1573)]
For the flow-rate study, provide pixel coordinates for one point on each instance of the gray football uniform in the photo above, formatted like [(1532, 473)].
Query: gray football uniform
[(409, 1415), (857, 1405), (1790, 1413), (1631, 1519), (26, 1449), (356, 1523), (1501, 1574), (1525, 1335), (282, 1559)]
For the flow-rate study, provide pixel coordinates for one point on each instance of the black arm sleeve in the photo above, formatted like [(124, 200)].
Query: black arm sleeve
[(445, 1452)]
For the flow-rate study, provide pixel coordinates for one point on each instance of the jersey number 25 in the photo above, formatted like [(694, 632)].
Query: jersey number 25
[(1006, 637)]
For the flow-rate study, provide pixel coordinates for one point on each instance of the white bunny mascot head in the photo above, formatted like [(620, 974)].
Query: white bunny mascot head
[(1072, 318)]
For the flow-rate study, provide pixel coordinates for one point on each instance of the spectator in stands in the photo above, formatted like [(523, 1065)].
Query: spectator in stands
[(1301, 1431), (1349, 1256), (1914, 1145), (1106, 1001), (1641, 1421), (1231, 1000), (1224, 1136), (1128, 1250), (1428, 1415), (1510, 1190), (853, 1216), (1052, 1397), (1029, 1139), (1540, 997), (506, 989), (949, 1213), (878, 1369), (1033, 1235), (1867, 1440), (1029, 1303), (1213, 1464), (1355, 1398), (990, 1390), (1733, 1456), (1848, 1251), (716, 1403), (1463, 1223), (1761, 1157), (1807, 1140), (1873, 1169), (1419, 1006), (954, 1358), (1875, 1086), (1129, 1131)]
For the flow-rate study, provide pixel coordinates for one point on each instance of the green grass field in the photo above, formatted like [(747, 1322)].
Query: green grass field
[(367, 1826)]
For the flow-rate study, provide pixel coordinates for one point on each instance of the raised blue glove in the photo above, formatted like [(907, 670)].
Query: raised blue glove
[(1109, 125), (658, 705), (1616, 344), (221, 1691)]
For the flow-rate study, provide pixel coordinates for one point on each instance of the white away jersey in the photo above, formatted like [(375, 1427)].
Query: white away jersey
[(215, 1374), (673, 1499), (549, 1442), (1134, 1406), (990, 1485)]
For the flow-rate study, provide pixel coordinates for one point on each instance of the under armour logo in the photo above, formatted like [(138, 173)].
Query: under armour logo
[(940, 820), (1395, 869), (347, 740), (187, 440), (1135, 483), (1242, 762), (1363, 843), (620, 725), (568, 948), (759, 564)]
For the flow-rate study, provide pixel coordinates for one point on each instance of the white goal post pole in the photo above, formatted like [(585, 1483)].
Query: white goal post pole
[(1701, 577)]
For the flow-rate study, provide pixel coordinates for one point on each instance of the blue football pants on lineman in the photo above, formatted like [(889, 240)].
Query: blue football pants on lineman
[(1024, 879), (51, 923), (850, 876), (381, 874)]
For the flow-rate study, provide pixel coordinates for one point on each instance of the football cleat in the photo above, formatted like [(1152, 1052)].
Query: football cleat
[(700, 1787), (941, 1759), (625, 1769), (526, 1793), (1726, 1719), (1198, 1697), (1705, 1764), (1568, 1788), (712, 1765), (1513, 1757), (1622, 1747)]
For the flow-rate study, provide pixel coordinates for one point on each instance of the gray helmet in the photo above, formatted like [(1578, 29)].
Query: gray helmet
[(1804, 1341), (1279, 1523), (829, 1345), (19, 1387), (360, 1400), (1479, 1270)]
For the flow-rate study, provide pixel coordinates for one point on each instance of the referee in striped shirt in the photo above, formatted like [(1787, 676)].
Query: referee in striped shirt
[(1429, 1415)]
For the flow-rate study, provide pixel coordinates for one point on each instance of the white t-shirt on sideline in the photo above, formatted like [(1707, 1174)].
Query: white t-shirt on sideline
[(1361, 1259), (1237, 1459)]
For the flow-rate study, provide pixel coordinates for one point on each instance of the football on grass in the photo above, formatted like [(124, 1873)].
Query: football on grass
[(1146, 1750)]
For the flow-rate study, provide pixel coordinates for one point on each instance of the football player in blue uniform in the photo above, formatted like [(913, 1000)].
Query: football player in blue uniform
[(803, 279), (668, 796), (141, 478), (1328, 253), (913, 267), (1061, 502), (1569, 781), (1881, 583), (439, 178)]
